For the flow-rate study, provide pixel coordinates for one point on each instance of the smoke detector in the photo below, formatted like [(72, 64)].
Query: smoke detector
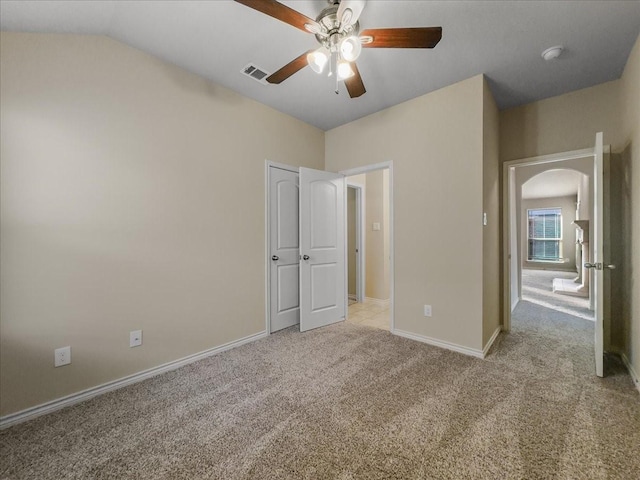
[(552, 52)]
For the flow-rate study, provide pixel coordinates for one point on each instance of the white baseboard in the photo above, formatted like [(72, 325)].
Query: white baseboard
[(486, 348), (632, 372), (376, 301), (57, 404), (439, 343)]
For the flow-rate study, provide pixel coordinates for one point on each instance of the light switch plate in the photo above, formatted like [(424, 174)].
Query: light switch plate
[(135, 338), (376, 226)]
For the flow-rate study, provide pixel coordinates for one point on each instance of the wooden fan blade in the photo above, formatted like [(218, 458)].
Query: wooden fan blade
[(279, 11), (289, 69), (354, 83), (422, 37)]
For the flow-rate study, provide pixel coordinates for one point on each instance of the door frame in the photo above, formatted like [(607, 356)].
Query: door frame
[(366, 169), (506, 220), (268, 164), (360, 240)]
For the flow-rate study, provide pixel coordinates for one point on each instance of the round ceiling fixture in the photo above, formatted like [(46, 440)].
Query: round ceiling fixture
[(552, 52)]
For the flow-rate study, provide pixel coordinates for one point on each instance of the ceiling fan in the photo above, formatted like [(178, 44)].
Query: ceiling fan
[(337, 30)]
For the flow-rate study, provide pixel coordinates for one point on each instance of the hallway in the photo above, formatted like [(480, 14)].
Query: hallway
[(552, 336)]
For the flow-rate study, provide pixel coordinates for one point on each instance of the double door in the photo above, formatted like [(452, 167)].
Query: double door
[(307, 243)]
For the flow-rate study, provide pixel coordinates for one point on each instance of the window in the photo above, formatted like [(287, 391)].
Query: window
[(545, 234)]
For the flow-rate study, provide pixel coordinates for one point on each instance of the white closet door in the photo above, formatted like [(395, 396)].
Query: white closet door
[(284, 241), (322, 247)]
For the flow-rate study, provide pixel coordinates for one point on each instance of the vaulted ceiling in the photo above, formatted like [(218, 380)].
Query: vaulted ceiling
[(502, 39)]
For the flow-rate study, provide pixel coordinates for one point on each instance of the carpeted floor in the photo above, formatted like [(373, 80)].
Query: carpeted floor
[(353, 402)]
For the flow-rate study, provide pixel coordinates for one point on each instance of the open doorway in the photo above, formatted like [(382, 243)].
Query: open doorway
[(356, 265), (524, 244), (369, 248), (553, 227)]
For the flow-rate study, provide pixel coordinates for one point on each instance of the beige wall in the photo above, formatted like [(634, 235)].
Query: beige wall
[(377, 243), (568, 206), (132, 198), (561, 124), (629, 189), (491, 273), (387, 232), (436, 144)]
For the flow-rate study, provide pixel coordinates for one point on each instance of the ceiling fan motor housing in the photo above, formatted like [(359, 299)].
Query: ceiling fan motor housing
[(332, 33)]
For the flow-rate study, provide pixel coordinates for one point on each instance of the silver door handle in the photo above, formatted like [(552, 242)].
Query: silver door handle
[(599, 266), (275, 258), (305, 257)]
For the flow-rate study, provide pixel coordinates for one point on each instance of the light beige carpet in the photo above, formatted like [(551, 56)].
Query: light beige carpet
[(352, 402)]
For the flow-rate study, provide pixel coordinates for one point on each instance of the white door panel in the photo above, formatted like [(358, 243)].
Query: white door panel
[(323, 286), (323, 215), (322, 246), (287, 229), (284, 240), (288, 284)]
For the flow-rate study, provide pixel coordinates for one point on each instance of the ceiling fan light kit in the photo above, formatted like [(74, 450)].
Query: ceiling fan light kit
[(337, 30), (350, 48), (318, 59)]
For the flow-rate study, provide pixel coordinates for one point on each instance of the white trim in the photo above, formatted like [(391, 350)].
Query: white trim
[(74, 398), (370, 168), (634, 375), (440, 343), (551, 158), (267, 239), (489, 344), (282, 166)]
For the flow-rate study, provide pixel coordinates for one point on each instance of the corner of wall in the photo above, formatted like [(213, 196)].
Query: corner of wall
[(630, 105), (491, 238)]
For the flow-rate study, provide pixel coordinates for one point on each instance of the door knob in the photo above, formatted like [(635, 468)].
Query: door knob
[(275, 258), (599, 266), (305, 257)]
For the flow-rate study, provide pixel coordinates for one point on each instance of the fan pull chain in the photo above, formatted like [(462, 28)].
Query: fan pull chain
[(334, 63)]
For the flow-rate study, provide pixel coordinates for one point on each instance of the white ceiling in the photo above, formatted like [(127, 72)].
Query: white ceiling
[(552, 183), (502, 39)]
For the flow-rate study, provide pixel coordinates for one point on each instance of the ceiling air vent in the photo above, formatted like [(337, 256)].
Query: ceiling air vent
[(255, 72)]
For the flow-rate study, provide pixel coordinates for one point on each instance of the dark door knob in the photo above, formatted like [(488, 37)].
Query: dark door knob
[(275, 258), (305, 257)]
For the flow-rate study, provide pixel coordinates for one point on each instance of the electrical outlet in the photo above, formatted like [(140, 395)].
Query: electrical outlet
[(135, 338), (427, 310), (62, 356)]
